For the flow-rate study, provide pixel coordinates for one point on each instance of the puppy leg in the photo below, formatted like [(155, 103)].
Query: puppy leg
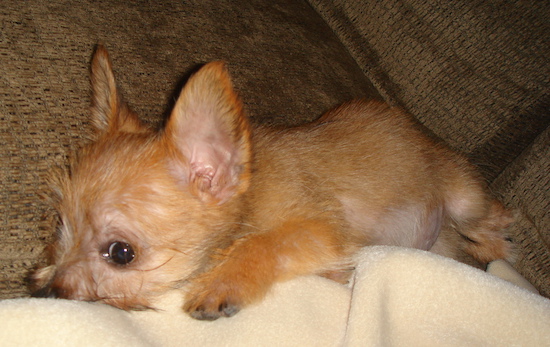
[(486, 238), (480, 221), (248, 269)]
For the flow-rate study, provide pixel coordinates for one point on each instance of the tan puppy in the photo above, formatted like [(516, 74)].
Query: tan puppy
[(228, 210)]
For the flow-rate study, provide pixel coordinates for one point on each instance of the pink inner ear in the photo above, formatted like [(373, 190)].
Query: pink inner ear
[(213, 166), (214, 158), (210, 131)]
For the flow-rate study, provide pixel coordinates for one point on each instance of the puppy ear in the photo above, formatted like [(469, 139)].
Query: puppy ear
[(211, 136), (109, 111)]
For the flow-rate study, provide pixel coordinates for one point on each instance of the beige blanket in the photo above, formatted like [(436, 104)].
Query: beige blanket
[(399, 297)]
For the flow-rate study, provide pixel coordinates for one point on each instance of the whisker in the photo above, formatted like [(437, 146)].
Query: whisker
[(156, 267)]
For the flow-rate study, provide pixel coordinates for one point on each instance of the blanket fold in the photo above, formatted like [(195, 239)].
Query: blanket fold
[(398, 297)]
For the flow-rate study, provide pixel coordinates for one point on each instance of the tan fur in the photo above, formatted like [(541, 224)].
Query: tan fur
[(227, 210)]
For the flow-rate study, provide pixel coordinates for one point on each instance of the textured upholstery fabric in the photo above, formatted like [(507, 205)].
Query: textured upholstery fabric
[(477, 74), (526, 185), (477, 79)]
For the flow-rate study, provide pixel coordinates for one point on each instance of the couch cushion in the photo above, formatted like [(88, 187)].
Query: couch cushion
[(474, 72), (526, 185), (477, 74)]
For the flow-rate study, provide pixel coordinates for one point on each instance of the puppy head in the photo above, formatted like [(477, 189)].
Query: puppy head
[(139, 208)]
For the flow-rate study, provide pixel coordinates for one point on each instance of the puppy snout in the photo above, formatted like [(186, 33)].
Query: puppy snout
[(46, 292), (52, 292)]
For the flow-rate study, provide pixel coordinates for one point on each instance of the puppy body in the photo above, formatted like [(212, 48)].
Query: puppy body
[(228, 211)]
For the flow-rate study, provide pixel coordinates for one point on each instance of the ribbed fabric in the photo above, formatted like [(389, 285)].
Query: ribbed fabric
[(477, 74)]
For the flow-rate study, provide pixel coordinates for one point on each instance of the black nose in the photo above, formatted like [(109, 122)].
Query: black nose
[(46, 292)]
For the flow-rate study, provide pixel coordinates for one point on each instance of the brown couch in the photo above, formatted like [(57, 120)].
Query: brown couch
[(475, 72)]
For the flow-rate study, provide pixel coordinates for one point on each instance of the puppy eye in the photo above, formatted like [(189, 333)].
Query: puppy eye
[(120, 253)]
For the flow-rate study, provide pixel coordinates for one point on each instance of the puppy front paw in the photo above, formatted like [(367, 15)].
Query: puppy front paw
[(243, 276), (210, 301)]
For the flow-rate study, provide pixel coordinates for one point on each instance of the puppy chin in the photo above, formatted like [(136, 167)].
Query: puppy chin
[(123, 302), (47, 285), (128, 304)]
